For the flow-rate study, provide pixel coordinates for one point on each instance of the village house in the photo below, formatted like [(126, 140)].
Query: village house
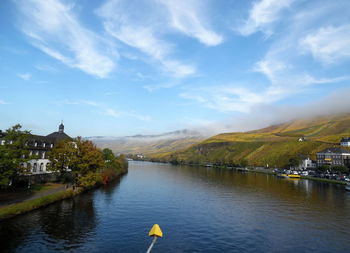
[(40, 146), (345, 142), (333, 156), (307, 164)]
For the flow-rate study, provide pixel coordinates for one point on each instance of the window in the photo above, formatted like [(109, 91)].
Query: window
[(41, 167), (43, 155), (35, 144), (51, 145), (37, 153), (44, 144), (35, 167)]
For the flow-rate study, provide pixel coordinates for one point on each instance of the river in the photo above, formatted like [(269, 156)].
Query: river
[(199, 210)]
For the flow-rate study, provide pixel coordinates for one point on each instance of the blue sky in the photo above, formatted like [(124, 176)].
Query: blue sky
[(123, 67)]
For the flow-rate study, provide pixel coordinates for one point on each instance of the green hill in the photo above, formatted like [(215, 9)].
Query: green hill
[(273, 145)]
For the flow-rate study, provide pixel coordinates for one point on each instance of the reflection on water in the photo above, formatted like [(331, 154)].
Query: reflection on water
[(199, 210)]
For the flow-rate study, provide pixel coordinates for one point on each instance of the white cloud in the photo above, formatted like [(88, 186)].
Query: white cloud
[(111, 112), (263, 115), (269, 68), (2, 102), (144, 24), (46, 67), (54, 28), (186, 17), (328, 44), (262, 15), (228, 98), (25, 76), (106, 110)]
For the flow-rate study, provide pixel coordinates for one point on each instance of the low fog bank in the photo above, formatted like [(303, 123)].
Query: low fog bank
[(261, 116), (266, 115)]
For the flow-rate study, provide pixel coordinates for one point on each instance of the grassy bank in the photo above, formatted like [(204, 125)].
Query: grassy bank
[(12, 210), (26, 206)]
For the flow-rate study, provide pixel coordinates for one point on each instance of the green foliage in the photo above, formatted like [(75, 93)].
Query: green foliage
[(294, 162), (114, 166), (243, 162), (62, 155), (12, 154), (89, 179), (87, 163), (82, 158), (324, 168), (340, 169)]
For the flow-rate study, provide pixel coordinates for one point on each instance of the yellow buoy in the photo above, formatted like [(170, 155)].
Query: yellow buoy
[(156, 231)]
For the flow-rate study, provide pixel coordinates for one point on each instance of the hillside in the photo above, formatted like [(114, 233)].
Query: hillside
[(149, 144), (273, 145)]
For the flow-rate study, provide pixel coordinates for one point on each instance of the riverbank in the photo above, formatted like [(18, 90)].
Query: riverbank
[(44, 198), (324, 180), (271, 172), (12, 210)]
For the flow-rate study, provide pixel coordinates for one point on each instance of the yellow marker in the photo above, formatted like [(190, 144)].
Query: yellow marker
[(156, 231)]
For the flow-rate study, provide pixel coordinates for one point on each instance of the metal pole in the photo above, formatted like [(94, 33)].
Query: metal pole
[(152, 244)]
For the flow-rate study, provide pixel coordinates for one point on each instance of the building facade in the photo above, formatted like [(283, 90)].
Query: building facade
[(39, 147), (307, 164), (333, 156), (345, 142)]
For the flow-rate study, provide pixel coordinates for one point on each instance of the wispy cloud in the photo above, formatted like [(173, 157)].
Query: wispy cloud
[(264, 115), (2, 102), (46, 67), (187, 17), (144, 24), (25, 76), (230, 98), (106, 110), (262, 15), (54, 28), (328, 44)]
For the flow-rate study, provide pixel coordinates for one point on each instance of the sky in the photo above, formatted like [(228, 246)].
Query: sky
[(125, 67)]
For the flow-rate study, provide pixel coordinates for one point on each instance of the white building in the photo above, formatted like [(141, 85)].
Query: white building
[(345, 142), (307, 164), (40, 146)]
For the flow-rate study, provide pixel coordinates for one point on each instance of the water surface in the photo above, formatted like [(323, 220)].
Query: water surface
[(198, 209)]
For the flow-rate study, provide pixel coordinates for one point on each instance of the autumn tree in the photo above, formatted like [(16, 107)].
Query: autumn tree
[(62, 155), (81, 157), (116, 164), (13, 154)]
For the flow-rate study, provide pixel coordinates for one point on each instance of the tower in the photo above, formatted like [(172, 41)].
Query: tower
[(61, 128)]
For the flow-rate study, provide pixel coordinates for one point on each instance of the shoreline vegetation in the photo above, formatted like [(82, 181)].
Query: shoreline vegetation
[(77, 162), (12, 210)]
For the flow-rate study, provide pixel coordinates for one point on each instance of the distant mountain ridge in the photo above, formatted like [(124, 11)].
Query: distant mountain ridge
[(149, 144), (273, 145)]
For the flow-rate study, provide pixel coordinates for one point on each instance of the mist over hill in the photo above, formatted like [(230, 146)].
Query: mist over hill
[(273, 145), (150, 144)]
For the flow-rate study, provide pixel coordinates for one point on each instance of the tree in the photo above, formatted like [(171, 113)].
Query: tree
[(114, 166), (323, 168), (340, 169), (13, 154), (243, 162), (293, 162), (80, 157), (62, 155)]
